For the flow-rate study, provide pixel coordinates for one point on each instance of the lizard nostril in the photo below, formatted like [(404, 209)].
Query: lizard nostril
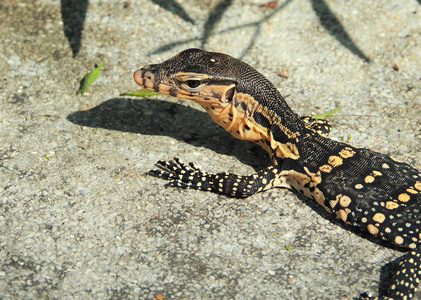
[(144, 78)]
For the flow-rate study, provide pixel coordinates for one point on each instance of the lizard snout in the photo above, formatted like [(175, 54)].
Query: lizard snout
[(144, 77)]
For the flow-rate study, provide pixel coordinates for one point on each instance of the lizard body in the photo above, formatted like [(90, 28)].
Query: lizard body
[(363, 188)]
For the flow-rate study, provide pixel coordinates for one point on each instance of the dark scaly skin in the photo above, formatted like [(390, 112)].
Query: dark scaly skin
[(363, 188)]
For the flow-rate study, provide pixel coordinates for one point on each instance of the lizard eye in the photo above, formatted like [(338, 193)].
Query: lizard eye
[(193, 85)]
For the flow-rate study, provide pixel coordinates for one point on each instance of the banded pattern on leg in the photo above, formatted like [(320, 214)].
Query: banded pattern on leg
[(405, 280), (407, 276), (229, 184)]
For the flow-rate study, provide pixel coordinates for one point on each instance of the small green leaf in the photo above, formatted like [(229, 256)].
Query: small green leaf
[(324, 115), (349, 137), (287, 247), (46, 157), (89, 79), (140, 93)]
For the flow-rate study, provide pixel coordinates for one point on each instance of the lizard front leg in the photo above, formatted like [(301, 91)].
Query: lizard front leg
[(229, 184)]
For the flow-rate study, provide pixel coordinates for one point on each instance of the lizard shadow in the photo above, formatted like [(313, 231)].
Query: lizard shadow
[(162, 118), (184, 123)]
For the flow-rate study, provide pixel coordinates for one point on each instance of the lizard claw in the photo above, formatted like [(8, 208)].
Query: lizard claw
[(178, 173)]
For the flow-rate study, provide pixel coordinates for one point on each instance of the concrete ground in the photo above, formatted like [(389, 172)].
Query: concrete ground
[(79, 219)]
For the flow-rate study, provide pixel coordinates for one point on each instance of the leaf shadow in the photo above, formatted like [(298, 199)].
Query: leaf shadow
[(161, 118), (331, 23), (214, 18), (175, 8), (73, 13), (326, 18)]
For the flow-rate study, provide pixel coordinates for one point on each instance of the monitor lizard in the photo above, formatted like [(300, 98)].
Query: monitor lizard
[(363, 188)]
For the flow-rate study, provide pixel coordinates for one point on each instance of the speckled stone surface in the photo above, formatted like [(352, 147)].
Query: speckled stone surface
[(79, 219)]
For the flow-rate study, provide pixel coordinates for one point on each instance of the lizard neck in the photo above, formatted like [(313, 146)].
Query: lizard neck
[(263, 118)]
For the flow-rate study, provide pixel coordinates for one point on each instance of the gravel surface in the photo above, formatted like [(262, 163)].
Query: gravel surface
[(79, 219)]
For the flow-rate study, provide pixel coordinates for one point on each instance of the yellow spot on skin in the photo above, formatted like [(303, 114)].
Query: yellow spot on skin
[(412, 246), (288, 149), (404, 197), (372, 229), (333, 203), (391, 205), (309, 181), (342, 214), (411, 191), (398, 240), (377, 173), (385, 166), (344, 201), (347, 152), (379, 218), (359, 186), (417, 185), (325, 168), (335, 161), (369, 179)]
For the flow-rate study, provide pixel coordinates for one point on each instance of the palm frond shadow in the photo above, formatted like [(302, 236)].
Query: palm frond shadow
[(74, 12), (326, 17), (211, 23)]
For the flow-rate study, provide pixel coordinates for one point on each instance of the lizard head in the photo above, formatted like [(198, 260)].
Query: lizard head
[(211, 79), (194, 74), (234, 94)]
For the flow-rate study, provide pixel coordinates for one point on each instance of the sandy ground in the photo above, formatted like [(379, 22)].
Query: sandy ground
[(79, 219)]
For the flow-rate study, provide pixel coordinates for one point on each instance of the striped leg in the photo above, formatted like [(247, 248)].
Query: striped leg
[(232, 185), (405, 281), (407, 277)]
